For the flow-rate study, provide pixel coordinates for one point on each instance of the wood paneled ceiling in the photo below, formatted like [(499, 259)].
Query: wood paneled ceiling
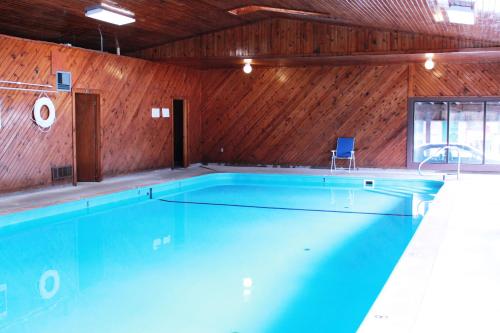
[(163, 21), (157, 22)]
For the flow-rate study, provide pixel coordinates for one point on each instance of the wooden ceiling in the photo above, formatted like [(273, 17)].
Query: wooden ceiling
[(157, 22), (403, 15), (163, 21)]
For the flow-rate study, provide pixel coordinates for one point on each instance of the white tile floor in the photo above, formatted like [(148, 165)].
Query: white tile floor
[(448, 279)]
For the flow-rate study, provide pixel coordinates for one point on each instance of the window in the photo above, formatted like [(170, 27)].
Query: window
[(466, 132), (430, 130), (470, 125), (492, 140)]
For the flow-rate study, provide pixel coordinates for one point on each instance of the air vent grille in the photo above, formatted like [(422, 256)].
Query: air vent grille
[(63, 81), (62, 173)]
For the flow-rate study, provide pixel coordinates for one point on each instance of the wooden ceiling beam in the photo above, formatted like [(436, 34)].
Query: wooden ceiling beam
[(255, 8), (485, 55)]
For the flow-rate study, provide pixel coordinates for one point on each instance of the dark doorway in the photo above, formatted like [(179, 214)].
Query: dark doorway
[(179, 133), (87, 138)]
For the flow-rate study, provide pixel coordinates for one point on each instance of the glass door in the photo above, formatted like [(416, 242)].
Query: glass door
[(492, 132), (466, 132), (470, 126), (430, 131)]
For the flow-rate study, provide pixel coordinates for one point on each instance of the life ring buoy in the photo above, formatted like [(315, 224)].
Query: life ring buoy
[(37, 112), (42, 284)]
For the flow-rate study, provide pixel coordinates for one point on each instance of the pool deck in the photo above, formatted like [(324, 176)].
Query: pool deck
[(448, 279)]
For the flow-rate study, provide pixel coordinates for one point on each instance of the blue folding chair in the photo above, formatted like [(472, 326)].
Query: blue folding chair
[(344, 151)]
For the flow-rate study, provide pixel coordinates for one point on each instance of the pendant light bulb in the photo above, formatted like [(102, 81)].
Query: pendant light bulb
[(247, 68)]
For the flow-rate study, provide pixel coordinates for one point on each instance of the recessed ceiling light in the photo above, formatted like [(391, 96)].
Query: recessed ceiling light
[(110, 14), (461, 15)]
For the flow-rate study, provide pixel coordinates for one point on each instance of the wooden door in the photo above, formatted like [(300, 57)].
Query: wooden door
[(87, 137), (180, 143)]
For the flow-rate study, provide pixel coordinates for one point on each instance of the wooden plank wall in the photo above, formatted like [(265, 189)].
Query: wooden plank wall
[(294, 115), (470, 79), (287, 37), (129, 88), (275, 115)]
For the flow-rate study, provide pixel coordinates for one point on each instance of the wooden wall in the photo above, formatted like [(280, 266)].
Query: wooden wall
[(129, 88), (471, 79), (293, 116), (281, 115), (286, 37)]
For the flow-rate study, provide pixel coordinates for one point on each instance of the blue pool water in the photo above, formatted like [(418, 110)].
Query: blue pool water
[(218, 253)]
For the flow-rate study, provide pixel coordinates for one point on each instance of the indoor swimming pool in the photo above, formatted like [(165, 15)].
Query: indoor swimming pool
[(220, 253)]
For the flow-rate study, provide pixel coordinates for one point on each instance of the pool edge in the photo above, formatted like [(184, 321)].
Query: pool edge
[(397, 306)]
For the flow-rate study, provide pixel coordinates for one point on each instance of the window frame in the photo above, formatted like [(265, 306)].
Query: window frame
[(445, 166)]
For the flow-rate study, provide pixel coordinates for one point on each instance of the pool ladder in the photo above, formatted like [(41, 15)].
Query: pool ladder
[(437, 153)]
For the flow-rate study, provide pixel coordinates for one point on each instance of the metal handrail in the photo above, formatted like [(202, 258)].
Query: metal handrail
[(437, 153)]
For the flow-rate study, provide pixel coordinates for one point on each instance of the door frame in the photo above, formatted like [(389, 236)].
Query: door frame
[(97, 92), (185, 143)]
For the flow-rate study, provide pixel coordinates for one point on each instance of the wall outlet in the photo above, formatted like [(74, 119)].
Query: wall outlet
[(165, 112), (155, 112)]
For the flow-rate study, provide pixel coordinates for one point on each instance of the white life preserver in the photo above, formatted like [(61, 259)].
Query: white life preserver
[(42, 284), (37, 109)]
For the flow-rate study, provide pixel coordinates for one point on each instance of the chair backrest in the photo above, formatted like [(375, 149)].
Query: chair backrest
[(344, 147)]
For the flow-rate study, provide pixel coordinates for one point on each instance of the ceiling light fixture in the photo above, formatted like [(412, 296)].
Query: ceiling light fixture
[(248, 66), (110, 14), (461, 15), (429, 63)]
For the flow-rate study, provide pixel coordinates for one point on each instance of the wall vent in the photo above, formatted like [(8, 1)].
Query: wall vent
[(63, 81), (62, 173)]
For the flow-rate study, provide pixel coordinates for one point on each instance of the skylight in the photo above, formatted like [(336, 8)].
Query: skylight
[(461, 15)]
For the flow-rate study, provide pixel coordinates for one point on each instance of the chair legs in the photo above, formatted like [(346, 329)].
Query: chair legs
[(352, 164), (353, 160)]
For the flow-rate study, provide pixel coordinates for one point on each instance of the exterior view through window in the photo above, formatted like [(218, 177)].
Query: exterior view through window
[(472, 127)]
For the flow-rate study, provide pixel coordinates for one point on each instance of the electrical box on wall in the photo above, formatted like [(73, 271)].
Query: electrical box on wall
[(165, 112), (155, 112), (63, 81)]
